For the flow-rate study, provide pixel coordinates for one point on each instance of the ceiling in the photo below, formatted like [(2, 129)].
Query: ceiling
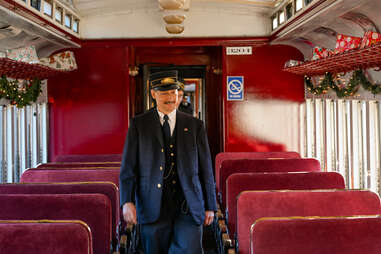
[(18, 32), (101, 7), (319, 27)]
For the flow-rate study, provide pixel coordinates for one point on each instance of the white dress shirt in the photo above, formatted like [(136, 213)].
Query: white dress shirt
[(171, 120)]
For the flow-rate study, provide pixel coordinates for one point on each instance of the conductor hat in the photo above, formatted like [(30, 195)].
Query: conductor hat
[(164, 80), (181, 84)]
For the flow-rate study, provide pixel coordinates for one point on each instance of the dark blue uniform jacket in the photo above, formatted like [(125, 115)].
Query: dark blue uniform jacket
[(141, 174)]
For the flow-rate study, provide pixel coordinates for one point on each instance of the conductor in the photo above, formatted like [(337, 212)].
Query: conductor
[(166, 178)]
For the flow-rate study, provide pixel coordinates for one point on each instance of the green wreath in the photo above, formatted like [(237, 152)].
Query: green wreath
[(358, 78), (20, 93)]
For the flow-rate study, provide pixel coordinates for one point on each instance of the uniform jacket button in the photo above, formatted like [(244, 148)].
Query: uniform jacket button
[(159, 185), (161, 168)]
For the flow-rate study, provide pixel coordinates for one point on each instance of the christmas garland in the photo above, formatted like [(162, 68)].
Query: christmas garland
[(322, 88), (20, 93), (358, 78), (366, 84), (350, 89)]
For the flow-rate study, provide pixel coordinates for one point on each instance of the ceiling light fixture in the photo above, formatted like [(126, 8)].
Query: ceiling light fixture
[(174, 28), (174, 15)]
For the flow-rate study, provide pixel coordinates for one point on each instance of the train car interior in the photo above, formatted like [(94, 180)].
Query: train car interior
[(288, 91)]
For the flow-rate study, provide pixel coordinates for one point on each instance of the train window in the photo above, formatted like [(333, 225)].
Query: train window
[(36, 4), (344, 136), (68, 20), (48, 8), (281, 17), (289, 11), (23, 139), (298, 5), (274, 22), (75, 25), (58, 14)]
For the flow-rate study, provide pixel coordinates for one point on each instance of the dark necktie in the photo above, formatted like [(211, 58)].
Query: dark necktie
[(166, 129)]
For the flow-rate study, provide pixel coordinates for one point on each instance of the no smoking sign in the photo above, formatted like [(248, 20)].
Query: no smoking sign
[(235, 87)]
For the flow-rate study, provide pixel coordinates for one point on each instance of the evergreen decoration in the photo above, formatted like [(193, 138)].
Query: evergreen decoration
[(322, 88), (349, 90), (366, 84), (358, 78), (20, 93)]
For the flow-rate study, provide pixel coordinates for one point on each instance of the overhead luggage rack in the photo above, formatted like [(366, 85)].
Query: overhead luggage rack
[(353, 59), (21, 70)]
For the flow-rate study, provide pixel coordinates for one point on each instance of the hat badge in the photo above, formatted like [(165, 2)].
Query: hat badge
[(167, 81)]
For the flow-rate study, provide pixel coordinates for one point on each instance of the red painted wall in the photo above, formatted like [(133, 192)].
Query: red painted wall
[(89, 108), (264, 80)]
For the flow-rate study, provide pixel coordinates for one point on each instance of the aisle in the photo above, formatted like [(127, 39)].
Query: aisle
[(209, 242)]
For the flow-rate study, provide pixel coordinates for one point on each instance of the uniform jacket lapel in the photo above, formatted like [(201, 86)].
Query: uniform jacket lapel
[(157, 127)]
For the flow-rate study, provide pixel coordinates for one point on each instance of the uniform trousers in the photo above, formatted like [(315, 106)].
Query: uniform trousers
[(173, 233)]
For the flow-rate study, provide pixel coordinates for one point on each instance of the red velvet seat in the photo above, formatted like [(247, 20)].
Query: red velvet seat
[(270, 165), (82, 165), (88, 158), (106, 188), (252, 205), (70, 175), (220, 157), (93, 209), (239, 182), (36, 237), (316, 236)]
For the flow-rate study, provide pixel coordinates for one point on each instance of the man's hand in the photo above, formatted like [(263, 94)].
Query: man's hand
[(129, 213), (209, 215)]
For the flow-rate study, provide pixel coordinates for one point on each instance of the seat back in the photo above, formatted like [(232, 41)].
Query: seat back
[(92, 209), (60, 237), (239, 182), (88, 158), (70, 175), (81, 165), (270, 165), (107, 188), (220, 157), (349, 235), (253, 205)]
